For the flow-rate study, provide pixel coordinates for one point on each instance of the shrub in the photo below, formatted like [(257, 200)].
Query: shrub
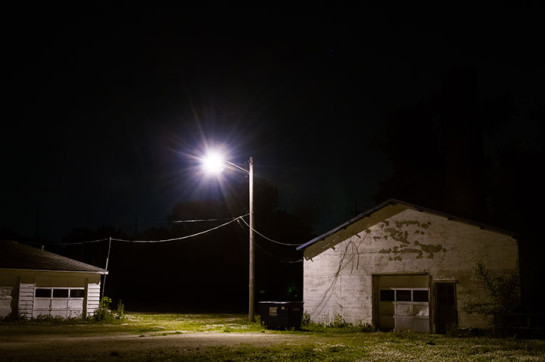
[(305, 320), (104, 313), (504, 293)]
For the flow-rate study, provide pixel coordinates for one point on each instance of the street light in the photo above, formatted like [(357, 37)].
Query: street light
[(214, 163)]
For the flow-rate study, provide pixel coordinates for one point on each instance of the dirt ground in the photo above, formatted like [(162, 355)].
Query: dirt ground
[(131, 347)]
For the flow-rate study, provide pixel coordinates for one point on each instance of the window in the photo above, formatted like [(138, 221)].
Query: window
[(404, 295), (420, 295), (42, 293), (60, 293), (77, 293)]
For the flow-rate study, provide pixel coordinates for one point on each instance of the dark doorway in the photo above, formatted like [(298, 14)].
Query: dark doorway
[(445, 307)]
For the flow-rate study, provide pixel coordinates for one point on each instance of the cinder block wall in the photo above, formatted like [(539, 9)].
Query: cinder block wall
[(338, 280)]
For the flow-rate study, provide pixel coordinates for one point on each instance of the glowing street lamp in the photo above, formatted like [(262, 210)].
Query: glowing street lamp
[(214, 163)]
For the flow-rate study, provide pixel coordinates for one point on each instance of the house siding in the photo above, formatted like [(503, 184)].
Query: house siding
[(399, 240), (17, 293), (93, 297)]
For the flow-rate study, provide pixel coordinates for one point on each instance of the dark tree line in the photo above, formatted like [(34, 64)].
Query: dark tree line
[(475, 159)]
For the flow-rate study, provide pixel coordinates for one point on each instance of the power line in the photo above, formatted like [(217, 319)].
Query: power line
[(281, 259), (162, 240), (84, 242), (179, 238), (204, 220), (267, 238)]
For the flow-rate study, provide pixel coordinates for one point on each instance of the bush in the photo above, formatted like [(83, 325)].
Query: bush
[(504, 293), (104, 313)]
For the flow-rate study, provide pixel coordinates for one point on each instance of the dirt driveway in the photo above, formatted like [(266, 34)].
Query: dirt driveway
[(133, 347)]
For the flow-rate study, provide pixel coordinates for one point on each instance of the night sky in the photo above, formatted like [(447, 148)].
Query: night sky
[(107, 107)]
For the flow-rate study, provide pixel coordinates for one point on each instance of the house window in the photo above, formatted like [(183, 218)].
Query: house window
[(420, 295), (404, 295), (59, 293), (77, 293), (42, 293)]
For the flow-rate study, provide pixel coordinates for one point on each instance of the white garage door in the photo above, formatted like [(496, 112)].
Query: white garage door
[(59, 302), (403, 303)]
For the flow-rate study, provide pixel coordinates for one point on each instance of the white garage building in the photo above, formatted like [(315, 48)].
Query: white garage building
[(36, 282), (400, 266)]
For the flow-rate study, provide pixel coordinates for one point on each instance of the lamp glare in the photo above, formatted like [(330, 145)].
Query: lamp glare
[(213, 163)]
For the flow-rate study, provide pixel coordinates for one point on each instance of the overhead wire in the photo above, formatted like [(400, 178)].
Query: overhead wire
[(266, 237), (204, 220), (85, 242), (179, 238), (282, 259), (162, 240)]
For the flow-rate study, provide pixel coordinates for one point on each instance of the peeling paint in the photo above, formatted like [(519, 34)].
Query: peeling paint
[(398, 235), (400, 224), (430, 248), (412, 250)]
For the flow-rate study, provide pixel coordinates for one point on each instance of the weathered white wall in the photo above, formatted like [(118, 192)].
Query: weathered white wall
[(8, 293), (396, 239), (93, 296), (17, 292)]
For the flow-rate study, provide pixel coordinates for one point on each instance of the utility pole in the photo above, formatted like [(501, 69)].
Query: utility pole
[(252, 251)]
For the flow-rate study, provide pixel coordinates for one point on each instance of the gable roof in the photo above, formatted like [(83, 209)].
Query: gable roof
[(396, 202), (14, 255)]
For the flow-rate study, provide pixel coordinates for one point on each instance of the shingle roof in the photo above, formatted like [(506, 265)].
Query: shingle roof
[(14, 255), (395, 202)]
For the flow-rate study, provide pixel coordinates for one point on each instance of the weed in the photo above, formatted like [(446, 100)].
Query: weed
[(504, 293), (104, 313)]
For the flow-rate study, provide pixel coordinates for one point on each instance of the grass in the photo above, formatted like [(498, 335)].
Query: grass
[(312, 343), (134, 323)]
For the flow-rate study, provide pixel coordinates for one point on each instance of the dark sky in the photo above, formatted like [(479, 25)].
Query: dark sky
[(106, 107)]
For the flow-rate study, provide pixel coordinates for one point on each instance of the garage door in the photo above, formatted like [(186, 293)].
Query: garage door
[(59, 302), (403, 303)]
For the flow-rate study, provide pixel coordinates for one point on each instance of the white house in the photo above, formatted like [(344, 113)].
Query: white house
[(35, 282), (400, 266)]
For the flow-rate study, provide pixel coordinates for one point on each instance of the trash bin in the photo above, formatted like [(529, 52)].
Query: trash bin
[(281, 315)]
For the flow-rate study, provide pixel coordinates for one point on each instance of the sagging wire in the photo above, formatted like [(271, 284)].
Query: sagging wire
[(162, 240), (267, 238), (204, 220), (85, 242), (281, 259), (179, 238)]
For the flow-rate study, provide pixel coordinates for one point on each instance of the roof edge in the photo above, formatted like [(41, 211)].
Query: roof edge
[(396, 202), (102, 271)]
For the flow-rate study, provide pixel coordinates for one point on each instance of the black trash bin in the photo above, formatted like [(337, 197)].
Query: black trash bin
[(281, 315)]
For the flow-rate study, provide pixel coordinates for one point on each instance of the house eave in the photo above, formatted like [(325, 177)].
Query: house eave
[(102, 272)]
